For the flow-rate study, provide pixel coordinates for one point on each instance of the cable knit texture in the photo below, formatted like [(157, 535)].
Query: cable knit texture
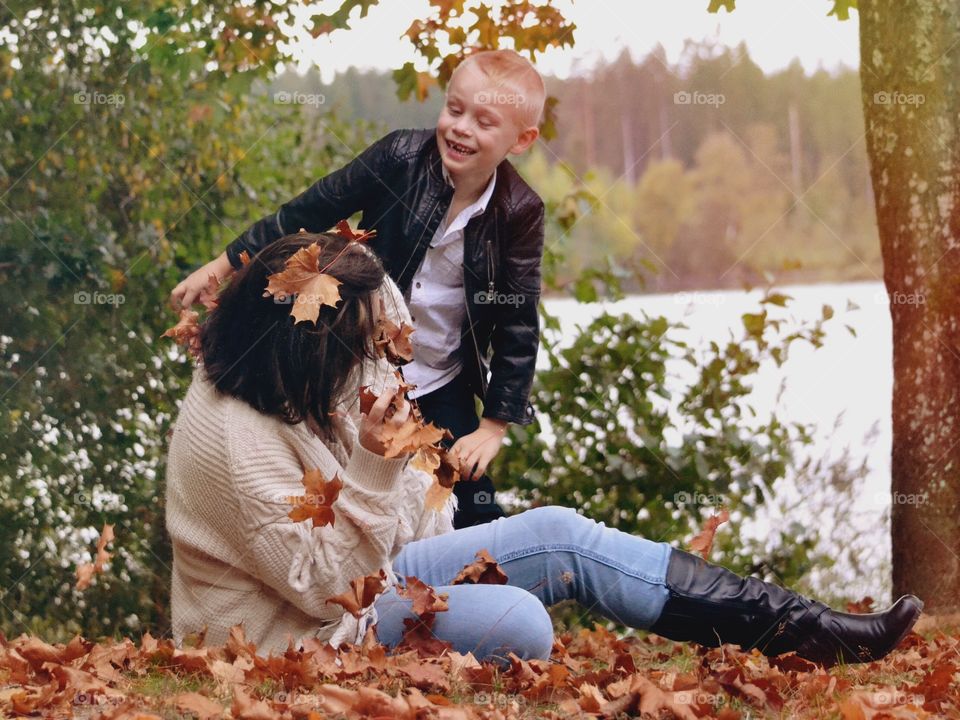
[(238, 557)]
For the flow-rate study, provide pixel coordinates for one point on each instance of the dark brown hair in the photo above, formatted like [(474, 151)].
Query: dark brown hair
[(253, 351)]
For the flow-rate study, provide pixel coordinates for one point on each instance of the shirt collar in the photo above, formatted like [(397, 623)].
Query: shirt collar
[(481, 203)]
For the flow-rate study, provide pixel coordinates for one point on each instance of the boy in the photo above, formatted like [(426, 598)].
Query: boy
[(461, 234)]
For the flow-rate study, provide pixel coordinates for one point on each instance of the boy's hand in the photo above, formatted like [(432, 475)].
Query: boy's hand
[(188, 292), (476, 450)]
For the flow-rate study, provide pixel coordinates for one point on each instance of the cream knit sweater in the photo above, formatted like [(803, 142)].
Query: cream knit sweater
[(237, 557)]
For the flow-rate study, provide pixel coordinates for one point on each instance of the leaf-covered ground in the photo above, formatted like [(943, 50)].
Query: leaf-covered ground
[(590, 674)]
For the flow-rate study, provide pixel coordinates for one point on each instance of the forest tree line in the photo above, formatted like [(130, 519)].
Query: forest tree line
[(703, 173)]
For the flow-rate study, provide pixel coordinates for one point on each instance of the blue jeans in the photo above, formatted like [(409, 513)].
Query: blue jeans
[(549, 554)]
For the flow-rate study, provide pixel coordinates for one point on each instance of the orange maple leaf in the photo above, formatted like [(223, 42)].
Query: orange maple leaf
[(186, 332), (363, 591), (316, 504), (410, 437), (703, 542), (301, 277), (244, 257), (86, 571), (344, 230)]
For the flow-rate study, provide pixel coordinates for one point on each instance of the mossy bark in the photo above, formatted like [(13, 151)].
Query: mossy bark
[(910, 73)]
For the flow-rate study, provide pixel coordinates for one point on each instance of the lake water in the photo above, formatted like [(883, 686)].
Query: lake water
[(843, 389)]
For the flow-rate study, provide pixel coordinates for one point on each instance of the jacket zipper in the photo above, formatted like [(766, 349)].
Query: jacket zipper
[(466, 300)]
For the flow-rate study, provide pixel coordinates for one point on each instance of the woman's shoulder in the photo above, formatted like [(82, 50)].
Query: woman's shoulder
[(213, 417)]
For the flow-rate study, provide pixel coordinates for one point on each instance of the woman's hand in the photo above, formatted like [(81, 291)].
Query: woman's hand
[(476, 450), (188, 292), (383, 418)]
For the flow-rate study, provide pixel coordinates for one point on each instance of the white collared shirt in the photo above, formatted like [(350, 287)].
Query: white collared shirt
[(437, 305)]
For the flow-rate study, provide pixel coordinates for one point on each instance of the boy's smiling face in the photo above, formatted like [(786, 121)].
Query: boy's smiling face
[(479, 125)]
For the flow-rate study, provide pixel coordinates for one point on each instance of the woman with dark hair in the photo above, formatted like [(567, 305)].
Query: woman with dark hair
[(274, 398)]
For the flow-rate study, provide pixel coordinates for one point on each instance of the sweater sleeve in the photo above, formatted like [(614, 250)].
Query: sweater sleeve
[(307, 565), (420, 522)]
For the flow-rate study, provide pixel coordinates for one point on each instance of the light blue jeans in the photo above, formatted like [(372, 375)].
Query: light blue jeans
[(549, 554)]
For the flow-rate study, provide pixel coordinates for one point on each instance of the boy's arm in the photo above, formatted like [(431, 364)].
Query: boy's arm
[(333, 197), (516, 332), (515, 341)]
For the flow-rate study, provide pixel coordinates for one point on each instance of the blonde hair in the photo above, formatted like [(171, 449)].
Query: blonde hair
[(508, 69)]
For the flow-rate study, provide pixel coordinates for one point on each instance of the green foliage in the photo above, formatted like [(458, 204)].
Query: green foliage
[(649, 435), (454, 29), (122, 170)]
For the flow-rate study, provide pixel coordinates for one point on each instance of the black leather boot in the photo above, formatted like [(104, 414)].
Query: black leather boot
[(710, 605)]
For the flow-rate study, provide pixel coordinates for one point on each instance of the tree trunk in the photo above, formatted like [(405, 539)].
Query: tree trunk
[(910, 69)]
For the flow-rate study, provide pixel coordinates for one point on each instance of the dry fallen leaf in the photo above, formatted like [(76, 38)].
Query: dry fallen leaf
[(196, 704), (482, 571), (392, 341), (436, 497), (244, 258), (186, 332), (301, 277), (425, 599), (316, 504), (363, 591), (208, 296), (703, 542), (86, 571)]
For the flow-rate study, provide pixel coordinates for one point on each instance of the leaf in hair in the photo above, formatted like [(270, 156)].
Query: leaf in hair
[(301, 276), (344, 230)]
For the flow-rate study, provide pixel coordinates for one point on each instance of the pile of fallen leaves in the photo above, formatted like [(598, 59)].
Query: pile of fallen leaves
[(591, 673)]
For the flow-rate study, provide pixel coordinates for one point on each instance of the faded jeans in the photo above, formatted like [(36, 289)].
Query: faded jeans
[(549, 554)]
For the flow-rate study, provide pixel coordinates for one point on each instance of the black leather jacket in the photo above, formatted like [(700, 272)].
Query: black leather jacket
[(398, 185)]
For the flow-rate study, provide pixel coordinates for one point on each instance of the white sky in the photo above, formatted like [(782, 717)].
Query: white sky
[(775, 31)]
